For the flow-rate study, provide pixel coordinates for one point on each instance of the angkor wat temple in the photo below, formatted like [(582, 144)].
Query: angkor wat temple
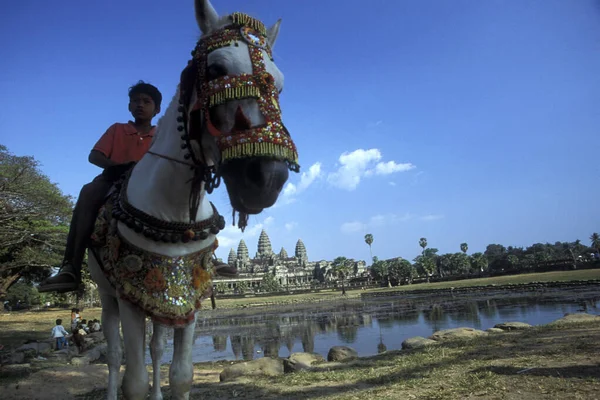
[(290, 272)]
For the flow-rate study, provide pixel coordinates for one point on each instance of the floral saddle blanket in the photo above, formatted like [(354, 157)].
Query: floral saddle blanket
[(168, 289)]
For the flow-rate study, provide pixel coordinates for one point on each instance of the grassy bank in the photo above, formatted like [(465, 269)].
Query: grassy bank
[(557, 276)]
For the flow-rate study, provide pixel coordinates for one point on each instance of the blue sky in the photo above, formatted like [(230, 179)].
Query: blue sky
[(460, 121)]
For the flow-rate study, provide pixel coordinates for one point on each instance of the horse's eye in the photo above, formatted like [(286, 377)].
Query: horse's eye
[(215, 71)]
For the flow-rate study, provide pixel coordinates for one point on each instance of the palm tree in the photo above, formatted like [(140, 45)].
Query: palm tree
[(369, 242), (341, 267), (423, 243), (595, 239), (464, 247)]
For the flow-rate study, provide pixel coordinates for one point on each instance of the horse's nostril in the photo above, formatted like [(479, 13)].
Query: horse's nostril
[(254, 173)]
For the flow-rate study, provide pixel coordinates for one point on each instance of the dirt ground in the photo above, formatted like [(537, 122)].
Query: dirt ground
[(551, 362)]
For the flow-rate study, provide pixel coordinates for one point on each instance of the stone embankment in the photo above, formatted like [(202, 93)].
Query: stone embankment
[(516, 287), (39, 351)]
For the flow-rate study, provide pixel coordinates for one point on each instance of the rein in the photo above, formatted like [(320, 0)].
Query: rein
[(172, 159)]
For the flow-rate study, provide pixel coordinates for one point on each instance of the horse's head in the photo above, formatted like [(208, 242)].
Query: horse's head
[(230, 109)]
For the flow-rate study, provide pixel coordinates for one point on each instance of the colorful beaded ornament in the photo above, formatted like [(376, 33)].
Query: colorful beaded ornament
[(271, 139)]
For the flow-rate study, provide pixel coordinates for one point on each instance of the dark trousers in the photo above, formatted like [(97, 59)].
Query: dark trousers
[(61, 342), (91, 198)]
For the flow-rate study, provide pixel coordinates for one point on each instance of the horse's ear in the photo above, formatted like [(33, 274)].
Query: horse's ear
[(206, 16), (273, 32)]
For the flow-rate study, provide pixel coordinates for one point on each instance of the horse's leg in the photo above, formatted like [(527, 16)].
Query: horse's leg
[(110, 327), (157, 347), (181, 373), (135, 381)]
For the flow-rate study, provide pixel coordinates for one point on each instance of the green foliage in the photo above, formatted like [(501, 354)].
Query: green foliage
[(460, 263), (425, 265), (423, 242), (479, 263), (380, 269), (464, 247), (242, 287), (402, 271), (34, 218), (221, 287), (595, 241), (369, 242), (24, 293), (342, 267), (269, 283)]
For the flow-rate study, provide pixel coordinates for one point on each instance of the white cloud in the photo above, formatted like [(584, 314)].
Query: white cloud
[(386, 168), (352, 227), (306, 179), (362, 163), (374, 222), (268, 221), (290, 226), (289, 190), (231, 235), (392, 183), (432, 217)]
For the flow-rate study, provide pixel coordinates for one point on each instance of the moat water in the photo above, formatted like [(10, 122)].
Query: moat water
[(366, 324)]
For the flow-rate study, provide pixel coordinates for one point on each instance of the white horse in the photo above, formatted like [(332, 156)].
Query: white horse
[(154, 242)]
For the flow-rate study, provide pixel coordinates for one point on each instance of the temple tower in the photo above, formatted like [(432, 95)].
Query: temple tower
[(264, 250), (283, 254), (232, 257), (301, 253)]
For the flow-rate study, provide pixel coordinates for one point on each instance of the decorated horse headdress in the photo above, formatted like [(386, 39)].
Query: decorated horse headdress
[(270, 139)]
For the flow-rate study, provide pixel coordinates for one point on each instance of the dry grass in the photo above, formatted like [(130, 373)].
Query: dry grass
[(18, 327)]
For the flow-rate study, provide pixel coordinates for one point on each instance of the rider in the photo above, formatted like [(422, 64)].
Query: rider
[(121, 145), (115, 152)]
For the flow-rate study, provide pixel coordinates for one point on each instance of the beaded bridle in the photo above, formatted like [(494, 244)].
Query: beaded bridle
[(271, 139)]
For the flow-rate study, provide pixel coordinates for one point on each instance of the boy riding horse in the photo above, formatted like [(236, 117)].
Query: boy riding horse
[(118, 149)]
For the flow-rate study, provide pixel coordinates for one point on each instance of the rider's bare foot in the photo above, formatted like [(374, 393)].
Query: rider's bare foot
[(67, 280)]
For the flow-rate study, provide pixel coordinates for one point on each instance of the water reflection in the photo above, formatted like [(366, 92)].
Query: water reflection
[(368, 326)]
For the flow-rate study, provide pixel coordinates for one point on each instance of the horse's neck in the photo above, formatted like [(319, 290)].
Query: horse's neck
[(160, 187)]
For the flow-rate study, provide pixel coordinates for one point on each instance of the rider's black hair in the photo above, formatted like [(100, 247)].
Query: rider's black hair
[(146, 88)]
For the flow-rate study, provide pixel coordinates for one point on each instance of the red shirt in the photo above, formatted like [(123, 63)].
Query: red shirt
[(122, 144)]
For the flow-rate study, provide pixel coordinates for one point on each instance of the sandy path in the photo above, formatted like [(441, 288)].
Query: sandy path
[(67, 382)]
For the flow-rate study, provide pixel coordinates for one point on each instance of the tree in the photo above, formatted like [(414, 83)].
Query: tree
[(423, 243), (380, 270), (459, 263), (402, 271), (369, 242), (425, 265), (464, 247), (595, 240), (341, 268), (513, 261), (479, 262), (269, 283), (34, 218)]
